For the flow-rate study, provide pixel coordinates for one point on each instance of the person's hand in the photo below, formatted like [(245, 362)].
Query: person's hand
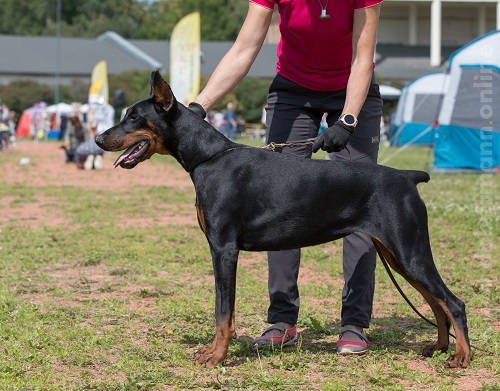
[(334, 138), (198, 109)]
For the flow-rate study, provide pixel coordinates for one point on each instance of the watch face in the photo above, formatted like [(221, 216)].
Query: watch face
[(349, 119)]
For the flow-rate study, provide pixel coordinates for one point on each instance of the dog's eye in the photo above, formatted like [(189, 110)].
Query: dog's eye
[(133, 117)]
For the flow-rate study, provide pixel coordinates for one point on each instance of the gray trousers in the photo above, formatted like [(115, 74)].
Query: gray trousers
[(294, 114)]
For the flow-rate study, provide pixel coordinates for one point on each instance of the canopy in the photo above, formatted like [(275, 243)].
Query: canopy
[(61, 108)]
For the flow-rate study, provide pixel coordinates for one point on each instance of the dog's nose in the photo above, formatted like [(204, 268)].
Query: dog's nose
[(99, 140)]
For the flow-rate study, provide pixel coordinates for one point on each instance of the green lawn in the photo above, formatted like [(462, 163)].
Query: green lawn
[(93, 304)]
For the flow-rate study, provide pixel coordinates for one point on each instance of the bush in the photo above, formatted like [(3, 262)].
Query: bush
[(22, 94), (252, 94)]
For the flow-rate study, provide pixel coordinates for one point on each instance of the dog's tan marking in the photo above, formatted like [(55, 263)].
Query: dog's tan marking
[(201, 218), (151, 126), (159, 147), (155, 142), (463, 355), (387, 254), (217, 352)]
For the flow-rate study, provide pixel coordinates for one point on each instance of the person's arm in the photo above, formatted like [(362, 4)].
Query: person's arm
[(363, 49), (235, 64), (336, 137)]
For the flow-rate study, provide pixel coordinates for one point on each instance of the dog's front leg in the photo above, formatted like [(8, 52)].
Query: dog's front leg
[(225, 261)]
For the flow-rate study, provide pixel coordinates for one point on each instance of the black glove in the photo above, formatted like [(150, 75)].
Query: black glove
[(334, 138), (196, 108)]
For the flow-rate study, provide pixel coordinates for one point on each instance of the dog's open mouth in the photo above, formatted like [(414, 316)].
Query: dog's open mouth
[(131, 156)]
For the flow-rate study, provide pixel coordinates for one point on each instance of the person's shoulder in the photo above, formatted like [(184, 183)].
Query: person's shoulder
[(359, 4), (265, 3)]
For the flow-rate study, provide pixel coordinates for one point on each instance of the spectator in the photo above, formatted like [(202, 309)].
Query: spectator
[(231, 123), (62, 126), (76, 133), (218, 122), (4, 127)]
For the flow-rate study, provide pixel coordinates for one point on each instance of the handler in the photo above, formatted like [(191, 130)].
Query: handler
[(324, 65)]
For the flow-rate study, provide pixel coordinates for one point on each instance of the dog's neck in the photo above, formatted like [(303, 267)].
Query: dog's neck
[(198, 142)]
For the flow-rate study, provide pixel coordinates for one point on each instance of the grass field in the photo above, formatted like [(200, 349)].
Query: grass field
[(106, 284)]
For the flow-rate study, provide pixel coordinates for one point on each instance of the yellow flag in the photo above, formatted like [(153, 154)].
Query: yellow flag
[(185, 58), (99, 91), (100, 113)]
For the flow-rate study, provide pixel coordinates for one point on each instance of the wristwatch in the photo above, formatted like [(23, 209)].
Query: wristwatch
[(349, 120)]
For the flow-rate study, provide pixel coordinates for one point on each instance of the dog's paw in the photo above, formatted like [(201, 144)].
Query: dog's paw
[(428, 351), (458, 361), (208, 357), (204, 351)]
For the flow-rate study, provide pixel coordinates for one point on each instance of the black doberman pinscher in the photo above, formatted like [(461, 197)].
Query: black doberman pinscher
[(252, 199)]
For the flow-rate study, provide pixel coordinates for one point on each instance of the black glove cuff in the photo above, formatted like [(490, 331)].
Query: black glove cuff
[(344, 126), (198, 109)]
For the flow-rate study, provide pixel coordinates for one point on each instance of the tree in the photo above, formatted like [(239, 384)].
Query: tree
[(25, 17), (221, 20), (133, 19), (91, 18)]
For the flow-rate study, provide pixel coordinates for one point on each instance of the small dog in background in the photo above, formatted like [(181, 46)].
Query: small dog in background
[(86, 155)]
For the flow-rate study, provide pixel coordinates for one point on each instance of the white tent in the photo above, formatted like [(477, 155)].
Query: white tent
[(418, 109), (389, 92), (468, 136), (60, 108)]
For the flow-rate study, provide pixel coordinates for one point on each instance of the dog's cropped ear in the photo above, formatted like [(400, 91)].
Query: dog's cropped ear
[(161, 93)]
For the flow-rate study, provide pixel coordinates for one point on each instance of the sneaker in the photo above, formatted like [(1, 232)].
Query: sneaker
[(352, 347), (98, 162), (89, 162), (286, 337)]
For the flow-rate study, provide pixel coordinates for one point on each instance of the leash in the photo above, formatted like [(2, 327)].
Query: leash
[(393, 279), (294, 144)]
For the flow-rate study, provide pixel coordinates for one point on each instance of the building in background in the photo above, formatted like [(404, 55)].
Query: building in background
[(415, 37)]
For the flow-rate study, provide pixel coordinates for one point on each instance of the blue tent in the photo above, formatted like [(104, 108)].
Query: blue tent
[(468, 136), (418, 109)]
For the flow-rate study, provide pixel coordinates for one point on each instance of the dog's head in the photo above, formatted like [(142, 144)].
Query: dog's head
[(142, 131)]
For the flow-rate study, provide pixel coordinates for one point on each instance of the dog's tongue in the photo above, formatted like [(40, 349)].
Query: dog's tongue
[(124, 155)]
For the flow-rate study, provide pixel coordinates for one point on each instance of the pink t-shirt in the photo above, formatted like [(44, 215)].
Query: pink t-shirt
[(312, 52)]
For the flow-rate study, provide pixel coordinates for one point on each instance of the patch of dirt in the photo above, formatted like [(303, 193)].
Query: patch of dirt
[(45, 167), (42, 212)]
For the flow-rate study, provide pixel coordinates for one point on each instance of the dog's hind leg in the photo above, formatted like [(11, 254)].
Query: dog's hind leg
[(225, 259), (443, 322), (443, 303)]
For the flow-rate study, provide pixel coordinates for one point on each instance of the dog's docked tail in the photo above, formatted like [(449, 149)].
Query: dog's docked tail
[(417, 176)]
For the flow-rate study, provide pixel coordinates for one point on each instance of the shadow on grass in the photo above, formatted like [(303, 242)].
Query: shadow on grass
[(396, 334)]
